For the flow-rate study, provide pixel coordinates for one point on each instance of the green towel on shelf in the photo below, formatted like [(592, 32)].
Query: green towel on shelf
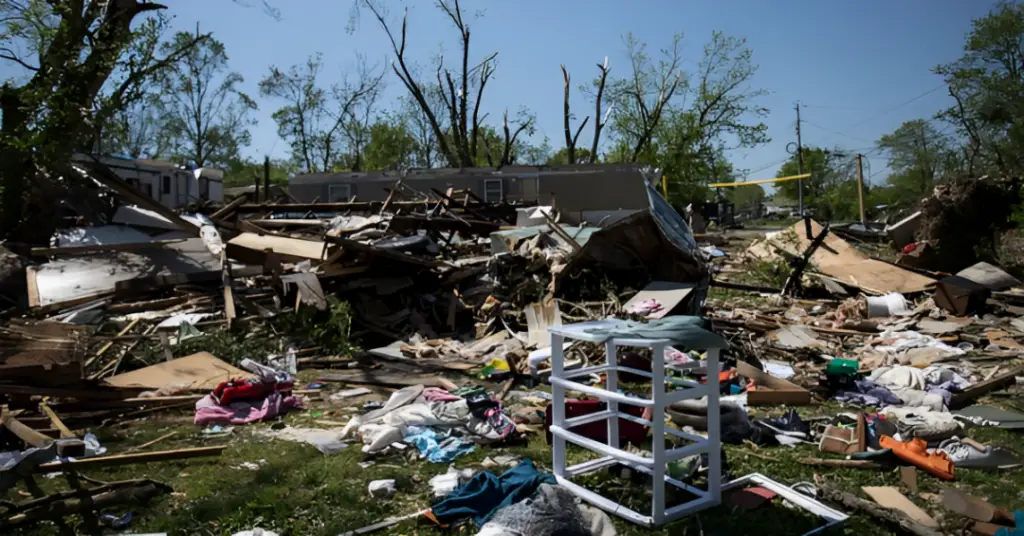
[(684, 330)]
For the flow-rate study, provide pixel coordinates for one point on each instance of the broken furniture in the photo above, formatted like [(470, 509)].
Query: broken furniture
[(615, 333)]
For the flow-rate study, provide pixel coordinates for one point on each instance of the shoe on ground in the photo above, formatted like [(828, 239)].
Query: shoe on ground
[(964, 455)]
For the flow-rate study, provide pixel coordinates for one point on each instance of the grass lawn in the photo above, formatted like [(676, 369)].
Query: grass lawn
[(298, 491)]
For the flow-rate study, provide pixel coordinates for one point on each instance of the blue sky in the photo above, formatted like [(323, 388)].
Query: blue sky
[(859, 67)]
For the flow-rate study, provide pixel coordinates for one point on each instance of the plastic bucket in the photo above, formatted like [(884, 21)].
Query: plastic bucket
[(888, 305)]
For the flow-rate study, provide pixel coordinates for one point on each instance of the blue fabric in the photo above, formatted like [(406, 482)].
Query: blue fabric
[(1018, 516), (485, 493), (438, 448)]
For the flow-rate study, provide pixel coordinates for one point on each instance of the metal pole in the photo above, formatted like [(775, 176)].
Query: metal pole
[(860, 187), (799, 161), (266, 178)]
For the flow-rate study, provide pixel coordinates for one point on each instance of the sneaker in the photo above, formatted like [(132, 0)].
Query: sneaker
[(789, 424), (964, 455)]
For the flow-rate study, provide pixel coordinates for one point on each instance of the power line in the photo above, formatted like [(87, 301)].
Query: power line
[(898, 106), (835, 131), (773, 164)]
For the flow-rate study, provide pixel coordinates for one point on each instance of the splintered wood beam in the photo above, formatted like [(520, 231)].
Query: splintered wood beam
[(65, 432), (127, 459), (69, 448)]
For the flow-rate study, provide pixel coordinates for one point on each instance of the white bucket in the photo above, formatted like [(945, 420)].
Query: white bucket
[(888, 305)]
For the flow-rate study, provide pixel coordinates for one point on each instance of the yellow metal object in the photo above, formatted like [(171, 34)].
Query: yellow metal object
[(762, 181)]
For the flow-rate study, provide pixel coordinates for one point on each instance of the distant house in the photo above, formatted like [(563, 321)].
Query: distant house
[(581, 193), (172, 185)]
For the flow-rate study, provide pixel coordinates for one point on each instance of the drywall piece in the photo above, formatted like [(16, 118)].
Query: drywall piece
[(200, 371), (71, 280), (668, 294), (890, 497)]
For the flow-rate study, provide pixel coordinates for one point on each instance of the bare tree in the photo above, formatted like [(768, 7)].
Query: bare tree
[(357, 110), (463, 113), (599, 122), (524, 122), (318, 122), (570, 139)]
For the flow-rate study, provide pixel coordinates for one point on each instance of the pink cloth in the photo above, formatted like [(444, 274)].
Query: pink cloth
[(208, 411), (436, 394)]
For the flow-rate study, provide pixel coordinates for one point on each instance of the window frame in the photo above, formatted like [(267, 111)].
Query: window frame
[(487, 192), (330, 192)]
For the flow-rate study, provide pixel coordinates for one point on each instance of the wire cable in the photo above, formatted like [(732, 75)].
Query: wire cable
[(898, 106)]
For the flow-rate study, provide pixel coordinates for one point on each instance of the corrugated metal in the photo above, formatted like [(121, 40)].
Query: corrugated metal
[(670, 222)]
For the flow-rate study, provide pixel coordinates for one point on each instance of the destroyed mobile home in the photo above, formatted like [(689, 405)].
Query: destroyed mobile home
[(444, 324)]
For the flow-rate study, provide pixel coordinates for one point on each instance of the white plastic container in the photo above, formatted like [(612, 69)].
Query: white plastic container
[(888, 305)]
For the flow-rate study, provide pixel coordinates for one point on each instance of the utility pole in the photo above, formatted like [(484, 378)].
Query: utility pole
[(266, 178), (799, 161), (860, 187)]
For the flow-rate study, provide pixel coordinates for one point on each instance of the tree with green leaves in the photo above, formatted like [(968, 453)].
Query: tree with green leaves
[(684, 124), (831, 190), (207, 115), (390, 147), (79, 67), (987, 85), (325, 126), (920, 155)]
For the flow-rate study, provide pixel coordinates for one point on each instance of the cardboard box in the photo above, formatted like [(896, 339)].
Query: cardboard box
[(771, 391)]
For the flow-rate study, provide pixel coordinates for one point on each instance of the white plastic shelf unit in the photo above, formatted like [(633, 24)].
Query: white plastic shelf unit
[(656, 465)]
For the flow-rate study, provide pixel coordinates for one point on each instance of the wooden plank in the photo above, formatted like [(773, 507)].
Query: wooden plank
[(35, 439), (107, 346), (227, 209), (106, 176), (151, 443), (65, 432), (976, 391), (126, 459), (890, 497), (33, 286)]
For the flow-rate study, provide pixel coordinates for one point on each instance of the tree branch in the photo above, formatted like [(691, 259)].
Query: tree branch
[(598, 121)]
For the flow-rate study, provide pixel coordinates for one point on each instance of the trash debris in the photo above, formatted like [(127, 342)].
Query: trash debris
[(382, 489)]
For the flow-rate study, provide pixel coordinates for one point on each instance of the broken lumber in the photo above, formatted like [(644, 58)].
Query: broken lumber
[(127, 459), (849, 464), (804, 260), (892, 518), (89, 501), (976, 391), (37, 440)]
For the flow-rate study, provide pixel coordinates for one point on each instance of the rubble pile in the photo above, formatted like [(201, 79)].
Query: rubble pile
[(436, 313)]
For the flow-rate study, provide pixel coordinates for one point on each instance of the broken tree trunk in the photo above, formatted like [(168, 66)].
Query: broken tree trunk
[(892, 518), (801, 263)]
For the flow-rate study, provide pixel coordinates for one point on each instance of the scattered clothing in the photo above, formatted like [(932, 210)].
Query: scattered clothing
[(438, 447), (485, 493), (551, 511), (868, 393), (208, 411)]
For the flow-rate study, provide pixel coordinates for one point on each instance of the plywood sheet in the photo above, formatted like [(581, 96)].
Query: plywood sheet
[(838, 259), (199, 371), (287, 248), (890, 497)]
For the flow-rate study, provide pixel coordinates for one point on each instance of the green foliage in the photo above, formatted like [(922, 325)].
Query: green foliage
[(561, 156), (328, 329), (391, 145), (987, 85), (685, 124), (745, 197), (831, 190), (243, 172), (207, 116)]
